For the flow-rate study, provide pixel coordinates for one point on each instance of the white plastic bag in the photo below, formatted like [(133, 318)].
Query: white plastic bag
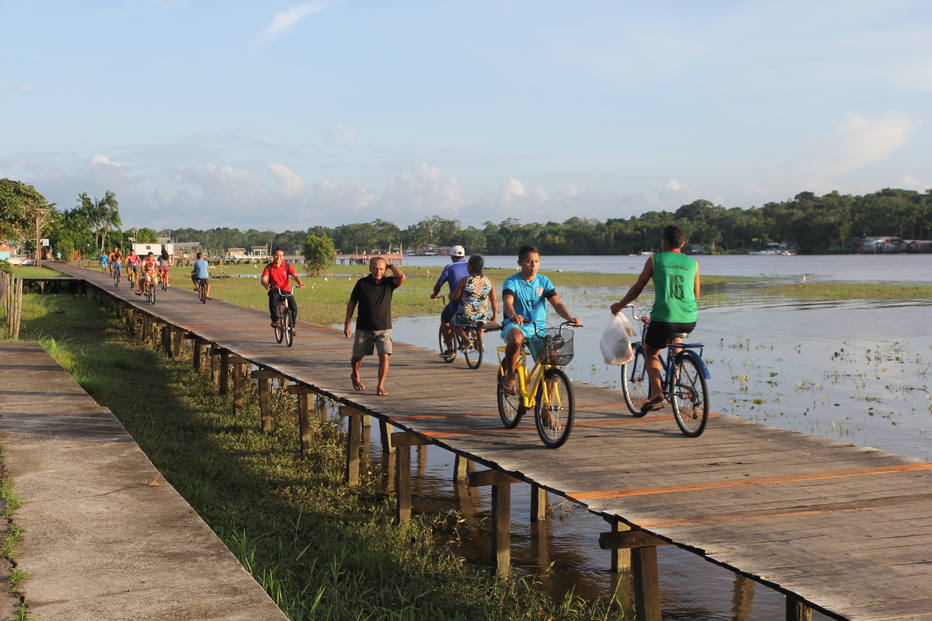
[(616, 341)]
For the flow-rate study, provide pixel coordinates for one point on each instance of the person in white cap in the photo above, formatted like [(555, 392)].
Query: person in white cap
[(452, 275)]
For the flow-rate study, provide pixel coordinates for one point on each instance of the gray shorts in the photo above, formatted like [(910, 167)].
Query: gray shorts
[(367, 340)]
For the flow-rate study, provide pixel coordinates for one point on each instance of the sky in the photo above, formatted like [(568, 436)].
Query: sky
[(285, 115)]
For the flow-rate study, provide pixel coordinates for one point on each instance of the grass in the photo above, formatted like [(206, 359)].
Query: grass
[(321, 549), (9, 502), (852, 291), (28, 271)]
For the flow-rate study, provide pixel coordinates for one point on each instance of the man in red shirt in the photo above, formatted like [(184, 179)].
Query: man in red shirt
[(275, 279)]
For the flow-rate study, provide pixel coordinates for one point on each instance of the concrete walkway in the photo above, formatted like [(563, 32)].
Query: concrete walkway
[(106, 537)]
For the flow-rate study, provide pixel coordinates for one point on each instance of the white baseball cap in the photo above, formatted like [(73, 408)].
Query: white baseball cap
[(457, 251)]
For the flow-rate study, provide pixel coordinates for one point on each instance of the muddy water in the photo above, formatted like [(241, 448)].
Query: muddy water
[(854, 371)]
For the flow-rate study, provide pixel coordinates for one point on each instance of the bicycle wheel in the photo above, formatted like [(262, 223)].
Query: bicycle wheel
[(553, 412), (510, 407), (473, 353), (151, 293), (164, 285), (634, 384), (690, 396), (202, 291), (287, 327)]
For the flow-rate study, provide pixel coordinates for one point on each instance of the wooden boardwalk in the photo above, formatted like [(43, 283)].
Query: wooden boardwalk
[(843, 529)]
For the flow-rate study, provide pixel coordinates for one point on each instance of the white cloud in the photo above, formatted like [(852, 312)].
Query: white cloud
[(672, 185), (288, 181), (424, 191), (912, 183), (285, 20), (860, 141), (103, 160)]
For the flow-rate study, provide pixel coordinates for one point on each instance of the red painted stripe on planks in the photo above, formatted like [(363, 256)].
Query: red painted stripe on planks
[(486, 412), (770, 516), (786, 478)]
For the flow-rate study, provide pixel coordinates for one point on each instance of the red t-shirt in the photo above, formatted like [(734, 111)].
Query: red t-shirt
[(278, 276)]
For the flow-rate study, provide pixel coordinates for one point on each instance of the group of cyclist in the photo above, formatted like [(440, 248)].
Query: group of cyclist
[(154, 269), (525, 295)]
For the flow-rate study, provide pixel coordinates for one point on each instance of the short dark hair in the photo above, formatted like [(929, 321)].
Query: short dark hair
[(526, 250), (476, 264), (674, 236), (374, 259), (199, 254), (277, 250)]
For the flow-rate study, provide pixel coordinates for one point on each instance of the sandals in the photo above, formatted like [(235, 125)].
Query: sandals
[(357, 385), (381, 392), (652, 404)]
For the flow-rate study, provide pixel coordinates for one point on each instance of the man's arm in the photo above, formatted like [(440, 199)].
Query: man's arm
[(697, 285), (398, 274), (439, 284), (459, 291), (508, 309), (297, 279), (562, 310), (350, 308), (636, 288), (493, 302)]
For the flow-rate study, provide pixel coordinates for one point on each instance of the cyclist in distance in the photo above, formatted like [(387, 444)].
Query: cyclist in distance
[(475, 296), (103, 262), (452, 274), (132, 265), (524, 308), (115, 260), (150, 271), (165, 262), (276, 276), (676, 291), (201, 272)]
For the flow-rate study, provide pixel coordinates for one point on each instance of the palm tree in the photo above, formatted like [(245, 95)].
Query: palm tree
[(103, 215)]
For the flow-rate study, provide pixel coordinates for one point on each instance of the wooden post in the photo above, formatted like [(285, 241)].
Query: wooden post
[(264, 378), (304, 416), (177, 333), (501, 515), (461, 467), (198, 346), (215, 364), (224, 371), (239, 373), (538, 503), (320, 408), (742, 598), (167, 340), (621, 556), (421, 460), (403, 441), (796, 610), (643, 548), (385, 437), (353, 442)]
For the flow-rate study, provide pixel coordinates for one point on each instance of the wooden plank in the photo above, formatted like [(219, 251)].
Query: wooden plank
[(646, 583), (402, 482), (614, 540), (490, 477), (501, 527), (406, 438), (353, 443)]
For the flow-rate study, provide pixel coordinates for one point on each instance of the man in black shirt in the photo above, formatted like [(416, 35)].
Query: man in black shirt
[(373, 294)]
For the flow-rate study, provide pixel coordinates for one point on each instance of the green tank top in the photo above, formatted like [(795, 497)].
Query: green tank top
[(674, 288)]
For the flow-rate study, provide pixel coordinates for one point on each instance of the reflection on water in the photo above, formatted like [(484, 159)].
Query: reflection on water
[(855, 371)]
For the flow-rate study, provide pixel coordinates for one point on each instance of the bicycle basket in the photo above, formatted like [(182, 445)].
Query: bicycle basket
[(554, 346)]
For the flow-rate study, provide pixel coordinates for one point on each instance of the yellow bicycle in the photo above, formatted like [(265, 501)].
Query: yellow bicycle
[(545, 387)]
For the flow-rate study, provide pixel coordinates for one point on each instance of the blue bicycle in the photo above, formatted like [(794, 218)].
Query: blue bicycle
[(683, 382)]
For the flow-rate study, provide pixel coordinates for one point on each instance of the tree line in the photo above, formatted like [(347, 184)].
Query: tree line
[(812, 224)]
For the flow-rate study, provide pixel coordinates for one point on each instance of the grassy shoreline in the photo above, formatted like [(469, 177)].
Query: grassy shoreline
[(321, 549)]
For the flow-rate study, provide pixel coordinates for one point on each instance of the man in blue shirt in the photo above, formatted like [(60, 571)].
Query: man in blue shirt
[(524, 298), (452, 274), (201, 272)]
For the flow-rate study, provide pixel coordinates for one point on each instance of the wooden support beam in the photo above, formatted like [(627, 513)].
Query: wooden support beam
[(385, 437), (461, 467), (214, 353), (265, 406), (490, 477), (176, 342), (269, 375), (167, 339), (304, 393), (646, 583), (320, 408), (224, 371), (402, 479), (353, 444), (620, 556), (629, 539), (300, 389), (198, 352), (796, 610), (742, 598), (407, 438), (239, 377), (538, 503), (501, 529)]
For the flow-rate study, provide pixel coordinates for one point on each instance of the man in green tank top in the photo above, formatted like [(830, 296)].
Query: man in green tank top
[(676, 290)]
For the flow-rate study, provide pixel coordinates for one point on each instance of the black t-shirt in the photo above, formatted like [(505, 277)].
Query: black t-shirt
[(375, 302)]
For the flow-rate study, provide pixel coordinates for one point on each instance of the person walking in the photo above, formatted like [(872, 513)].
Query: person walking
[(373, 295)]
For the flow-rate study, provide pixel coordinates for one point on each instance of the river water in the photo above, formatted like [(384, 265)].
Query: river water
[(856, 371)]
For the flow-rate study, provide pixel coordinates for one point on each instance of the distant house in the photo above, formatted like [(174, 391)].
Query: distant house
[(259, 253), (254, 253), (234, 254), (881, 243), (695, 249), (6, 250), (917, 245), (156, 249), (186, 250)]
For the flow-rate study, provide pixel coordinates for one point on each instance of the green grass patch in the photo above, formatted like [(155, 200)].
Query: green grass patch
[(852, 291), (28, 271), (321, 549)]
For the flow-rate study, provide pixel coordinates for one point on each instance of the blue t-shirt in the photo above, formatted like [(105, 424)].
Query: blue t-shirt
[(530, 298), (453, 273), (200, 269)]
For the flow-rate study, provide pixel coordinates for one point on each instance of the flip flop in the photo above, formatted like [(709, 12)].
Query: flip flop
[(381, 392), (655, 403), (357, 385)]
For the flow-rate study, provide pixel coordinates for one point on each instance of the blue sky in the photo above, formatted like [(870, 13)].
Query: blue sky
[(291, 114)]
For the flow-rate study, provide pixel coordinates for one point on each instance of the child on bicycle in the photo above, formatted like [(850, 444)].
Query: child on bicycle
[(164, 260), (476, 297), (676, 290), (150, 273), (524, 308), (132, 266)]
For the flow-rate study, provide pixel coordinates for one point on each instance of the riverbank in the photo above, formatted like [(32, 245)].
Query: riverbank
[(321, 549)]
